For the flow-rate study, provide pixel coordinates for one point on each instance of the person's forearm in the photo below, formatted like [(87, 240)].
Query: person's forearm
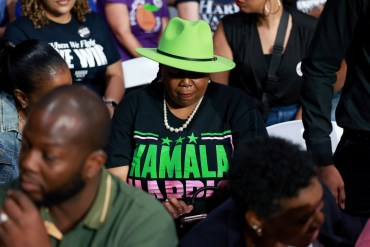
[(328, 47), (129, 42), (188, 10), (115, 87), (119, 21)]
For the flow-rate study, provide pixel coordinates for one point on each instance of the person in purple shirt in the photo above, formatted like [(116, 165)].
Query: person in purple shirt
[(134, 23)]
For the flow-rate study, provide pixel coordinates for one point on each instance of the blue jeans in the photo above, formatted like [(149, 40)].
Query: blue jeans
[(280, 114), (334, 104)]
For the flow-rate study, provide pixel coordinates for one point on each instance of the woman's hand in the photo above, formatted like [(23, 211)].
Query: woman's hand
[(177, 207)]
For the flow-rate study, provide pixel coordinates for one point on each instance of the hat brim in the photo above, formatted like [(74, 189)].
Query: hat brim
[(218, 65)]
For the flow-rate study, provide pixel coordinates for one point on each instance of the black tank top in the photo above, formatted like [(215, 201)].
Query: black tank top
[(251, 68)]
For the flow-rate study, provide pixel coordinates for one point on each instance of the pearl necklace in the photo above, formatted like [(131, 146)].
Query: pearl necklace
[(165, 119)]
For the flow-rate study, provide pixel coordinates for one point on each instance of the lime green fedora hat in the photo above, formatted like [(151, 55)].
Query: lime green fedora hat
[(187, 45)]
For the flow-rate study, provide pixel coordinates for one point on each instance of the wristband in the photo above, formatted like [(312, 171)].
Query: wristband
[(110, 102)]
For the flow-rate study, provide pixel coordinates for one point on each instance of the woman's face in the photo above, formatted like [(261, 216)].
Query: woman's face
[(58, 10), (299, 222), (251, 6), (62, 77), (183, 88)]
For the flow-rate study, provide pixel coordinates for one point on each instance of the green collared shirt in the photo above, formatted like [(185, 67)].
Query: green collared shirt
[(120, 216)]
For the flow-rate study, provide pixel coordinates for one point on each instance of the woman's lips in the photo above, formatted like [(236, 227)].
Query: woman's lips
[(239, 3), (62, 2), (186, 95)]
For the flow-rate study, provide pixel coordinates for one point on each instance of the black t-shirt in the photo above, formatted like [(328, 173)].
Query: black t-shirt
[(169, 164), (87, 47), (250, 73)]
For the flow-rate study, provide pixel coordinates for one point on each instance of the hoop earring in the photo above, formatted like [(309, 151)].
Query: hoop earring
[(266, 11), (279, 5), (257, 230)]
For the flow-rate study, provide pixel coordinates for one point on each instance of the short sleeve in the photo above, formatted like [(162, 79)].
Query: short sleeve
[(120, 144)]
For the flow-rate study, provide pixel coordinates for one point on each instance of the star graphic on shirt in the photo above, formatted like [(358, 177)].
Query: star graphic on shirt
[(192, 138), (179, 141), (166, 141)]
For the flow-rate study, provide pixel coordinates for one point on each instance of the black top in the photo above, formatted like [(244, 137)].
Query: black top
[(170, 164), (87, 47), (342, 32), (250, 73)]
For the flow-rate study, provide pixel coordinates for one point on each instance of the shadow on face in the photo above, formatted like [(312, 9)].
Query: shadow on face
[(300, 218), (184, 88)]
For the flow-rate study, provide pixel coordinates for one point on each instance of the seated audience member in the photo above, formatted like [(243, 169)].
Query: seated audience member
[(27, 71), (134, 24), (277, 200), (267, 42), (178, 134), (67, 198), (80, 37)]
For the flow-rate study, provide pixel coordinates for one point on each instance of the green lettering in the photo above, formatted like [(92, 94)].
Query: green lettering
[(135, 165), (150, 163), (222, 161), (190, 162), (204, 163), (170, 164)]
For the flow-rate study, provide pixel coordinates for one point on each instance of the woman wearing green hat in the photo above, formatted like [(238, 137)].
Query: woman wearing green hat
[(179, 134)]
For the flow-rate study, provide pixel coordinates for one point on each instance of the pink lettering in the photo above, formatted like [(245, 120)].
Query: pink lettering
[(193, 185), (210, 183), (154, 190), (137, 184), (174, 188)]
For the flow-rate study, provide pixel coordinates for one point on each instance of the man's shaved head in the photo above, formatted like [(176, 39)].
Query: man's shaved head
[(61, 155), (77, 111)]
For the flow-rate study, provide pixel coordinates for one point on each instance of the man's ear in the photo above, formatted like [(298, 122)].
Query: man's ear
[(21, 98), (94, 163)]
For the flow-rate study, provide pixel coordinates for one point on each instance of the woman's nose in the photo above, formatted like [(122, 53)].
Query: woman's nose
[(186, 82)]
